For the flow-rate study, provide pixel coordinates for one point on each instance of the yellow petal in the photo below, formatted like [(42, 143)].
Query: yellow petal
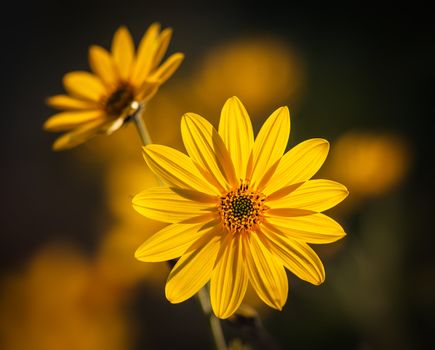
[(101, 63), (79, 135), (206, 148), (176, 168), (162, 46), (165, 71), (169, 243), (270, 144), (194, 268), (297, 256), (316, 228), (114, 125), (68, 102), (84, 85), (315, 195), (229, 280), (299, 164), (163, 204), (68, 120), (147, 90), (123, 52), (235, 129), (266, 272), (145, 55), (283, 191)]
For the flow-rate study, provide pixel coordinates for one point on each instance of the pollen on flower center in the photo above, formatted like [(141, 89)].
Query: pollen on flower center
[(241, 209), (119, 100)]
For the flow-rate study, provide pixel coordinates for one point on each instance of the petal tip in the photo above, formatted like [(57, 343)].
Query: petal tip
[(222, 315), (46, 126), (179, 56), (156, 24), (59, 145), (170, 295), (138, 255), (284, 109), (121, 28), (324, 142), (49, 101)]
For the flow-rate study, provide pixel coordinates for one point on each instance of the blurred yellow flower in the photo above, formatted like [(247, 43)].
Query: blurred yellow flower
[(100, 102), (58, 302), (114, 256), (239, 209), (369, 163), (262, 71)]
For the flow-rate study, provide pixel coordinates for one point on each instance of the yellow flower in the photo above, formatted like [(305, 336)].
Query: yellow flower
[(61, 301), (100, 102), (261, 70), (370, 163), (240, 211)]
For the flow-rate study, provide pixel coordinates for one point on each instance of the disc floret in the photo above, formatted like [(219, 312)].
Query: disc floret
[(242, 209)]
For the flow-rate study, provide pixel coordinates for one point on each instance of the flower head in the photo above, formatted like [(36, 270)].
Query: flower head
[(239, 210), (100, 102)]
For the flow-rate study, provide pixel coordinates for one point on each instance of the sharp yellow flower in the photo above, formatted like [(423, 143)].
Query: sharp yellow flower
[(239, 210), (100, 102)]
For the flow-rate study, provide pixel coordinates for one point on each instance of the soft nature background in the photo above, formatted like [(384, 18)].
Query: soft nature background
[(360, 76)]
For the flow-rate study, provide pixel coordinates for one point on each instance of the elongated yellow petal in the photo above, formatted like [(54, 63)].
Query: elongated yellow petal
[(147, 90), (266, 272), (194, 268), (68, 102), (165, 71), (315, 195), (169, 243), (176, 168), (113, 125), (84, 85), (206, 148), (235, 129), (123, 52), (297, 256), (145, 55), (163, 204), (79, 135), (315, 228), (102, 64), (270, 144), (229, 280), (299, 164), (162, 46), (68, 120)]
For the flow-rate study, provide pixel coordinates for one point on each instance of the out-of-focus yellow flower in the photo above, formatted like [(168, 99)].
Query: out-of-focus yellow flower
[(115, 255), (59, 303), (369, 163), (239, 210), (263, 72), (100, 102)]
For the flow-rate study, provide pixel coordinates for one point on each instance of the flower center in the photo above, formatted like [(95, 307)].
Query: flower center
[(242, 209), (119, 100)]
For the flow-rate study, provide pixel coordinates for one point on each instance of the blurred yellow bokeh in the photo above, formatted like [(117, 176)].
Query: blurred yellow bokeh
[(370, 164), (59, 302), (115, 255), (262, 71)]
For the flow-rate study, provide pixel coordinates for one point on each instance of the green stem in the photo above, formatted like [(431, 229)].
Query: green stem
[(203, 295), (141, 126), (215, 323)]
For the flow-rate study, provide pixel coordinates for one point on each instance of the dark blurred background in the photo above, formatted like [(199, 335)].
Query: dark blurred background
[(359, 75)]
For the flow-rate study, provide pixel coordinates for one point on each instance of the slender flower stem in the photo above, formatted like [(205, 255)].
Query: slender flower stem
[(203, 295), (215, 323), (141, 126)]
